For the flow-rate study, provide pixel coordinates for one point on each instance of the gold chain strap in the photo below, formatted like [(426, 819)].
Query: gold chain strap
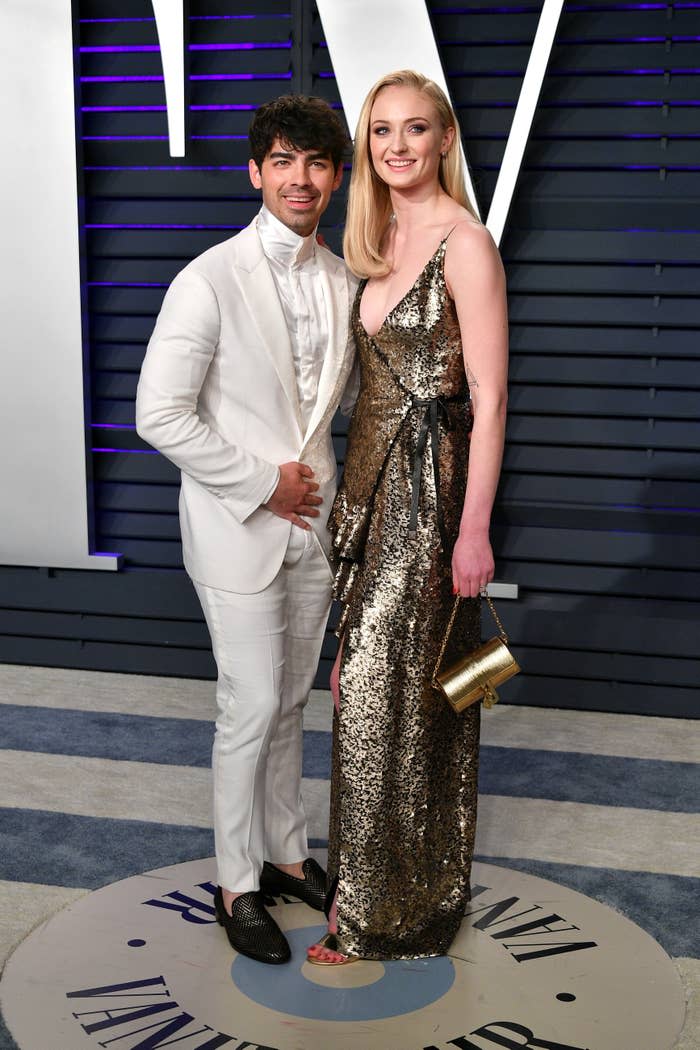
[(501, 628), (450, 625)]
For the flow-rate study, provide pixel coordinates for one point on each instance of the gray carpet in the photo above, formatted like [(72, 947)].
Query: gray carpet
[(114, 781)]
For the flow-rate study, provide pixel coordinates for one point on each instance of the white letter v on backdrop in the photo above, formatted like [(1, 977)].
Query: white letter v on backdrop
[(368, 38)]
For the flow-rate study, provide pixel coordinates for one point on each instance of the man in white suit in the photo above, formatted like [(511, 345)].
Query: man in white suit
[(247, 364)]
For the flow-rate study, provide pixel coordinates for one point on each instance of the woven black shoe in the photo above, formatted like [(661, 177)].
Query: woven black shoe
[(250, 929), (311, 890)]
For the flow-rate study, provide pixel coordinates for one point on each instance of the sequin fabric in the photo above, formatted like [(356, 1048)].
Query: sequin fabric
[(404, 778)]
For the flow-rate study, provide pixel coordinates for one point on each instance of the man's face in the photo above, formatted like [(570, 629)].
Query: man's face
[(296, 185)]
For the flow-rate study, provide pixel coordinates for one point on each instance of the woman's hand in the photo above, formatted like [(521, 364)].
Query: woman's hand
[(472, 564)]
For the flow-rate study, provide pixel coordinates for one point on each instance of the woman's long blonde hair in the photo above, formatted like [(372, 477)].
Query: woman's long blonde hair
[(369, 203)]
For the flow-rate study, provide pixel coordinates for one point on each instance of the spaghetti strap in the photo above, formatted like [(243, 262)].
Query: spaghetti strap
[(450, 232)]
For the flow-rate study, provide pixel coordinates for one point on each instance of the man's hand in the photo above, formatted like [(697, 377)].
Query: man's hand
[(294, 495)]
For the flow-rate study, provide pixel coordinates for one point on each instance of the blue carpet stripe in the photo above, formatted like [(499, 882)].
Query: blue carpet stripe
[(663, 905), (130, 738), (92, 852), (62, 849), (599, 780), (562, 776), (97, 734)]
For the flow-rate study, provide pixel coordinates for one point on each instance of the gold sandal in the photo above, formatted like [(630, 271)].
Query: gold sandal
[(333, 944)]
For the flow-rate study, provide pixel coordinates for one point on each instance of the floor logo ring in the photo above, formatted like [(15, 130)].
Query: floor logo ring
[(402, 988), (142, 964)]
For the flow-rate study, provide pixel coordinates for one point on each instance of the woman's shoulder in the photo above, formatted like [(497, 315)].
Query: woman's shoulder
[(466, 231), (470, 244), (472, 258)]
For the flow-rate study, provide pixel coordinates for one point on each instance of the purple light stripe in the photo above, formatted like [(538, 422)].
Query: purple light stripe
[(161, 109), (657, 167), (111, 21), (122, 80), (147, 79), (193, 18), (107, 49), (592, 104), (165, 167), (576, 41), (122, 109), (649, 229), (522, 9), (125, 138), (535, 9), (242, 76), (231, 18), (630, 7), (105, 554), (322, 75), (113, 426), (564, 72), (117, 49), (276, 45), (223, 108), (608, 137), (127, 284), (571, 41), (602, 167), (656, 135), (673, 70), (641, 72), (160, 138), (129, 451), (155, 226)]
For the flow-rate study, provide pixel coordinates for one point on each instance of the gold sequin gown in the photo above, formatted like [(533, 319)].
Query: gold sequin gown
[(404, 780)]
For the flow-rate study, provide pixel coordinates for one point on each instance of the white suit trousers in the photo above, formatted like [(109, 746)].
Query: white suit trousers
[(266, 646)]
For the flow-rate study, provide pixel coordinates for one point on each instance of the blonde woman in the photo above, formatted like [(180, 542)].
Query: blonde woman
[(411, 528)]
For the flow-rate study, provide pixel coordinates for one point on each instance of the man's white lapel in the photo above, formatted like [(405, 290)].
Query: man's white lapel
[(334, 283), (260, 294)]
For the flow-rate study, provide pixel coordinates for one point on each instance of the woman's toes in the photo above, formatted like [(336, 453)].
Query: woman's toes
[(325, 955), (316, 951)]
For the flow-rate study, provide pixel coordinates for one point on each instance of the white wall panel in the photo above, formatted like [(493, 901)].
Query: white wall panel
[(43, 481)]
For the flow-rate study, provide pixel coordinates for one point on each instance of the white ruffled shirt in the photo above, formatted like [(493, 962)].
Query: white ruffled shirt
[(294, 268)]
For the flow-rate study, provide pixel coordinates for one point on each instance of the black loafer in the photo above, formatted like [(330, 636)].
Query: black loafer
[(250, 929), (311, 890)]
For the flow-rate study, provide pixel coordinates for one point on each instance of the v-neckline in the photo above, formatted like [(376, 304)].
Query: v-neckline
[(401, 300)]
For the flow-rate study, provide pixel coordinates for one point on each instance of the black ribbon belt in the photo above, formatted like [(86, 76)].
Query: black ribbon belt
[(435, 410)]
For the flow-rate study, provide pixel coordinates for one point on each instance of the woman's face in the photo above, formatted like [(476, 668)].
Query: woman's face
[(406, 138)]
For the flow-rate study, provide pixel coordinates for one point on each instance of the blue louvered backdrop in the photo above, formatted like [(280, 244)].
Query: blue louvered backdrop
[(597, 518)]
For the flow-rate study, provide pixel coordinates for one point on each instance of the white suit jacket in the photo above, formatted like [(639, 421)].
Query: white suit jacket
[(218, 396)]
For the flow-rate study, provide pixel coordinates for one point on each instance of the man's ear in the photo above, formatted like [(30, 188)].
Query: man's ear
[(338, 177), (255, 176)]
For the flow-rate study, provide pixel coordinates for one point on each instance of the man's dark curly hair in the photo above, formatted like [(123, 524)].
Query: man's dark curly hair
[(299, 121)]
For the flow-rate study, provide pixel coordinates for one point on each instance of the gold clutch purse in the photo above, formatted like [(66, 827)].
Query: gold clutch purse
[(475, 676)]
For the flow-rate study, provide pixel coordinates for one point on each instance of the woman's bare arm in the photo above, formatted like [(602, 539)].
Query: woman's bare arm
[(476, 281)]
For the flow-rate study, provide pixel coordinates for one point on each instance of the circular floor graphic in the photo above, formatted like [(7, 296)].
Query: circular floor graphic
[(142, 965)]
